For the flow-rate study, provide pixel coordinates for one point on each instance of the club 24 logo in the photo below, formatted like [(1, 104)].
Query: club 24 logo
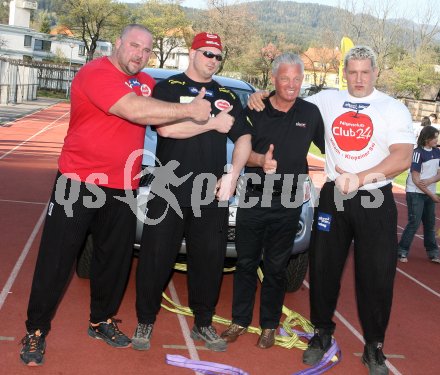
[(352, 131)]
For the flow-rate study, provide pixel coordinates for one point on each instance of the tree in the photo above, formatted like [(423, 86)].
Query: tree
[(234, 23), (92, 20), (45, 23), (264, 63), (169, 25), (412, 76)]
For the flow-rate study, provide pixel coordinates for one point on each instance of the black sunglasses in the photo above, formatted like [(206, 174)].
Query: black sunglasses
[(210, 55)]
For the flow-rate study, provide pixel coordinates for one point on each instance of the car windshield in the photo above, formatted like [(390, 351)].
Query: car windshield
[(241, 88)]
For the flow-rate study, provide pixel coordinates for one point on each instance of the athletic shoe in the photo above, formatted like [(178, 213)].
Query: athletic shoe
[(209, 335), (403, 259), (374, 359), (110, 333), (142, 336), (34, 346), (317, 347), (435, 260)]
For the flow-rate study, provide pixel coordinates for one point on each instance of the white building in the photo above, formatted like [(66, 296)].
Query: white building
[(18, 41)]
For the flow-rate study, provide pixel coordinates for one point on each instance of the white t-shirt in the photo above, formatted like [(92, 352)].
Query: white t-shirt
[(426, 161), (359, 131)]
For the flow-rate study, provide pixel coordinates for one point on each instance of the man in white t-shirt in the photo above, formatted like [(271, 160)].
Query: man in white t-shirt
[(368, 140)]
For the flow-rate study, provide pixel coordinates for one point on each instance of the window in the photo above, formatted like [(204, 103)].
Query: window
[(42, 45), (104, 48), (27, 40), (81, 50)]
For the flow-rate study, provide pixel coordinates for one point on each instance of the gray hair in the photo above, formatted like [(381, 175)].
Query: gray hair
[(287, 58), (361, 53), (132, 26)]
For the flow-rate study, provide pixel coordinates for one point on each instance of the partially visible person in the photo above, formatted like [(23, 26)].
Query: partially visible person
[(425, 122), (110, 106), (202, 220), (433, 118), (421, 195), (282, 136), (369, 140)]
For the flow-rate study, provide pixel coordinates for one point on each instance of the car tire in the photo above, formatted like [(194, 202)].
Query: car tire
[(85, 259), (296, 271)]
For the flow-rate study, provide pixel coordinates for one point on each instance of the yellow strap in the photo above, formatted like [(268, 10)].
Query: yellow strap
[(291, 321)]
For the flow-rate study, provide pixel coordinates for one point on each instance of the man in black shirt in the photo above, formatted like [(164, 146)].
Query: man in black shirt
[(198, 156), (283, 132)]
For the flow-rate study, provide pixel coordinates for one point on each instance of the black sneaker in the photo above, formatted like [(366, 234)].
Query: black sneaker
[(110, 333), (141, 337), (209, 336), (374, 359), (34, 345), (318, 346)]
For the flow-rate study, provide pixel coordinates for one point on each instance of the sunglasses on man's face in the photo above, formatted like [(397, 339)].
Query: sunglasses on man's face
[(210, 55)]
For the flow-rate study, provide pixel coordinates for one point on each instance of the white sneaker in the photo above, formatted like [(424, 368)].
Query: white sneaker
[(435, 260), (404, 259)]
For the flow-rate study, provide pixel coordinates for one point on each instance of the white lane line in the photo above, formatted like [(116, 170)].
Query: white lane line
[(418, 282), (21, 259), (357, 334), (194, 355), (416, 235), (24, 202), (47, 127), (7, 338)]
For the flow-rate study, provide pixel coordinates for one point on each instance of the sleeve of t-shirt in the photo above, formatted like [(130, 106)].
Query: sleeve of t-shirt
[(400, 125), (242, 125), (416, 164)]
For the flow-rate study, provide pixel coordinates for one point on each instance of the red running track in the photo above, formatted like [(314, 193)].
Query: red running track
[(28, 161)]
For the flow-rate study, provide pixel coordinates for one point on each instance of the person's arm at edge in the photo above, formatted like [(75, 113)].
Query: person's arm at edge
[(431, 180), (227, 183), (255, 160), (187, 129), (396, 162), (416, 179), (255, 100), (146, 110), (241, 154)]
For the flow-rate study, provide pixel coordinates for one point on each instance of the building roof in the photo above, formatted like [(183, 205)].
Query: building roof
[(61, 30)]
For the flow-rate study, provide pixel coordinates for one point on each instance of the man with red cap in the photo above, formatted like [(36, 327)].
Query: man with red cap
[(200, 150)]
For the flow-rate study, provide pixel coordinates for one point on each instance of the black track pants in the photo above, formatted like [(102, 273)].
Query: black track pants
[(206, 247), (112, 226), (374, 232)]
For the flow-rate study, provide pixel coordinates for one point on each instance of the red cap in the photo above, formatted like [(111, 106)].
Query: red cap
[(206, 40)]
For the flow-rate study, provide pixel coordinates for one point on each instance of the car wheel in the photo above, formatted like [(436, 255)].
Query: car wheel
[(296, 271), (85, 259)]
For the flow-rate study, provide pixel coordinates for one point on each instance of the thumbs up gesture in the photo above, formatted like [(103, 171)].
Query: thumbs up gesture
[(270, 164), (223, 121), (200, 108)]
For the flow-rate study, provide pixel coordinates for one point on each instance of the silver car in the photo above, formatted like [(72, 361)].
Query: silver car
[(298, 263)]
